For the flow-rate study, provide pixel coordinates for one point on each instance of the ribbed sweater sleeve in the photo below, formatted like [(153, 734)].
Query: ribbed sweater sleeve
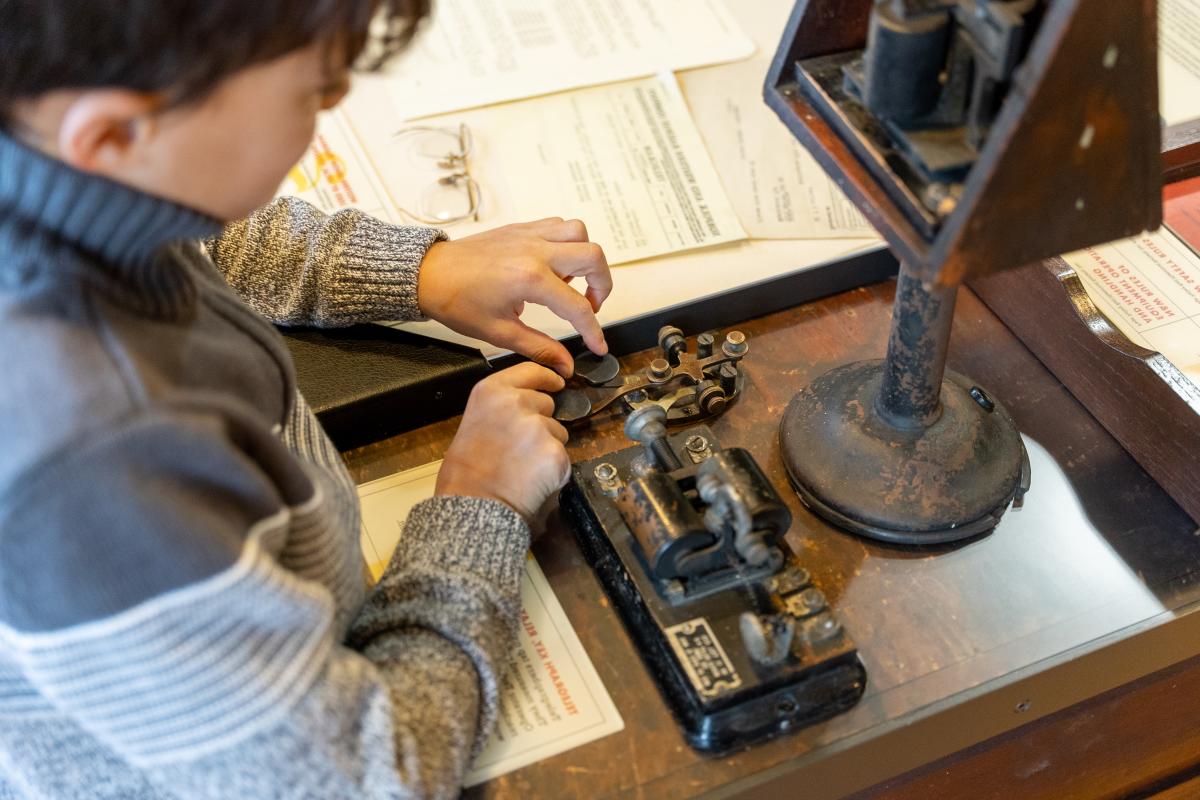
[(175, 637), (298, 266), (401, 710)]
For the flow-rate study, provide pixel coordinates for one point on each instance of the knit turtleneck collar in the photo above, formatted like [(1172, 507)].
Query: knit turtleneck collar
[(120, 227)]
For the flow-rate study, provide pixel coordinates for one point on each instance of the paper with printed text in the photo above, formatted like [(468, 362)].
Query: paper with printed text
[(777, 189), (625, 158), (1179, 60), (1149, 288), (482, 52)]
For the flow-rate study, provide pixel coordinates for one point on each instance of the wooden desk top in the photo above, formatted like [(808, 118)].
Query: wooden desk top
[(1085, 588)]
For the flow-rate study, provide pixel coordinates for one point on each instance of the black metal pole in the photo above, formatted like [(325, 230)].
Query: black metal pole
[(909, 396)]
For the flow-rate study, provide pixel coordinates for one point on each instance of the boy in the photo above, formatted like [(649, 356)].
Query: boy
[(181, 600)]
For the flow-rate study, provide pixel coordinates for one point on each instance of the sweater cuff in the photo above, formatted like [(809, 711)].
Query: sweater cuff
[(473, 534), (382, 262)]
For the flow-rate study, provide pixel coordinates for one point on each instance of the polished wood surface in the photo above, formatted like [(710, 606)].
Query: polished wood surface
[(1138, 741), (1099, 553)]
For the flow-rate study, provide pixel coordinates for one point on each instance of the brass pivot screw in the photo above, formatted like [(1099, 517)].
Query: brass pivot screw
[(704, 345), (735, 344), (672, 343), (660, 370), (711, 398)]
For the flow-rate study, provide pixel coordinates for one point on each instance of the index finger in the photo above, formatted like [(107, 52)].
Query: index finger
[(571, 306), (582, 260), (528, 375)]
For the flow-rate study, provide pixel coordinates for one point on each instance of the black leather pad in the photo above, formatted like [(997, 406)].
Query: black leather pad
[(370, 382)]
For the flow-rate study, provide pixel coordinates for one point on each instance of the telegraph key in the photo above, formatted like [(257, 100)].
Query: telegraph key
[(688, 539)]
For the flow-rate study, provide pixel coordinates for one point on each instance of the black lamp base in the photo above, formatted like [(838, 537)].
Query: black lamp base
[(949, 481)]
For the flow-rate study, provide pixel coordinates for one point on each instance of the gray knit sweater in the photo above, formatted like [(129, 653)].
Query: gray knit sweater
[(182, 605)]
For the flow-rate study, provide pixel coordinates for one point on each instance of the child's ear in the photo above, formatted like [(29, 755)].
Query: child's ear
[(103, 129)]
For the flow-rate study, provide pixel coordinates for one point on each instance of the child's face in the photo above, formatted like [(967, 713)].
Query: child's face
[(225, 154), (228, 154)]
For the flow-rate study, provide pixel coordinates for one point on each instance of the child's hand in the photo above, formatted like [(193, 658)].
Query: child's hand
[(508, 447), (479, 285)]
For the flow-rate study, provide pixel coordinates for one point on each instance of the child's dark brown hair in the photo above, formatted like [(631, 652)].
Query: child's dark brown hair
[(182, 47)]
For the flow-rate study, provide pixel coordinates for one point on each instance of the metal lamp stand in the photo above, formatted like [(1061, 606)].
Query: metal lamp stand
[(903, 450)]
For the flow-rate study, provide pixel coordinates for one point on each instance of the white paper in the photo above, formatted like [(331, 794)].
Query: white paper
[(551, 700), (385, 505), (1179, 60), (336, 173), (482, 52), (625, 158), (776, 187), (1149, 288)]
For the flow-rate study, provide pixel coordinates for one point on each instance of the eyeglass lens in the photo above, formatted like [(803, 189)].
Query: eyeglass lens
[(451, 194), (453, 197)]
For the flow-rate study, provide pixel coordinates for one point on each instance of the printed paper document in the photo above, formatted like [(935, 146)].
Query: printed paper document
[(1179, 60), (551, 700), (482, 52), (1149, 287), (336, 173), (777, 188), (625, 158)]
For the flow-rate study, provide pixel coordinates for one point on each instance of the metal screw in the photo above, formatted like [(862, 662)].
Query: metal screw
[(768, 639), (985, 402), (608, 478), (806, 603), (822, 628), (790, 579), (704, 344), (671, 340), (728, 373), (939, 199), (735, 344), (754, 552), (660, 370), (711, 399), (697, 448)]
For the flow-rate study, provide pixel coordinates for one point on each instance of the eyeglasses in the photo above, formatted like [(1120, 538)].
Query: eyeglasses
[(450, 198)]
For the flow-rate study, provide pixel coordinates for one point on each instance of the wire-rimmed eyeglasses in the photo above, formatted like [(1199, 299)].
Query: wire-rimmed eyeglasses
[(453, 197)]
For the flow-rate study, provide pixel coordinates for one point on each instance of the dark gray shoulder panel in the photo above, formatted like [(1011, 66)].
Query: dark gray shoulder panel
[(154, 504)]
